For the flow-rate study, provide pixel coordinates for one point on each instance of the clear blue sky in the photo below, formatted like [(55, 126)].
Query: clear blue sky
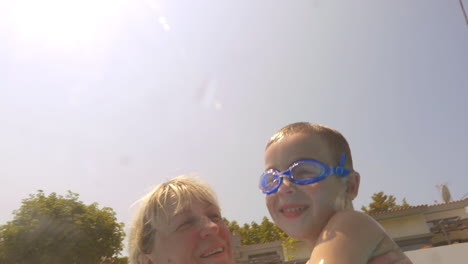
[(109, 98)]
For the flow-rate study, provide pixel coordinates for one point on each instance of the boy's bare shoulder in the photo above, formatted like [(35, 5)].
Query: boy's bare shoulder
[(355, 235), (353, 220)]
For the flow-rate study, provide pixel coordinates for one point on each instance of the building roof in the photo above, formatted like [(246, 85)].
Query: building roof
[(417, 209)]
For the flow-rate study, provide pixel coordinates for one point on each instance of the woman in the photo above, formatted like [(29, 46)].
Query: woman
[(178, 222)]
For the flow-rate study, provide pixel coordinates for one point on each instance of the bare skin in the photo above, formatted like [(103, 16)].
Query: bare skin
[(353, 237)]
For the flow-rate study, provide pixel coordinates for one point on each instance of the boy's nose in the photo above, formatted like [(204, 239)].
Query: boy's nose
[(208, 227), (286, 186)]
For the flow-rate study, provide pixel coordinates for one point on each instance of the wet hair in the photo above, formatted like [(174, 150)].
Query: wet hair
[(335, 140), (159, 206)]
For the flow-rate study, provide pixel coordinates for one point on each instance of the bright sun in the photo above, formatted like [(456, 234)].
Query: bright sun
[(63, 22)]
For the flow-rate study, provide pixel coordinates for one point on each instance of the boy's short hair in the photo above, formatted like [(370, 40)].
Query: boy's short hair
[(159, 206), (334, 139)]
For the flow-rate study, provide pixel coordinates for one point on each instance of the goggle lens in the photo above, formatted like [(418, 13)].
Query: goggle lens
[(307, 171), (269, 181)]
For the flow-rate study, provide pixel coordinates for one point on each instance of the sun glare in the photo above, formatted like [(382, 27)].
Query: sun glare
[(63, 22)]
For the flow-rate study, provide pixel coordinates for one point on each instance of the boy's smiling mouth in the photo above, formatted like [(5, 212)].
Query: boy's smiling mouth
[(293, 211)]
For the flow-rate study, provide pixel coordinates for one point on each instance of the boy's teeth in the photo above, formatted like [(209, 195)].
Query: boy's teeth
[(214, 251), (296, 209)]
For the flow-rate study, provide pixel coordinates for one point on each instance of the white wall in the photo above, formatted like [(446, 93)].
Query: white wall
[(404, 226), (451, 254), (461, 212)]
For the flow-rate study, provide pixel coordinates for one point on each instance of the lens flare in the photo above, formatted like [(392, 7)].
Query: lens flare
[(62, 22)]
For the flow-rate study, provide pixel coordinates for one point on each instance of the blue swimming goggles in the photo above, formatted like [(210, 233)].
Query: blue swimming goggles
[(301, 172)]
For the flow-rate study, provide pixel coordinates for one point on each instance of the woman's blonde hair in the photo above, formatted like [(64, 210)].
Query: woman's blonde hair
[(159, 206)]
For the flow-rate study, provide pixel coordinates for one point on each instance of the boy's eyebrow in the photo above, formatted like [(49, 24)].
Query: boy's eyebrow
[(271, 168)]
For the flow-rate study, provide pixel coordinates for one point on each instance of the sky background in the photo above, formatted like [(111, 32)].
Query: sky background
[(109, 98)]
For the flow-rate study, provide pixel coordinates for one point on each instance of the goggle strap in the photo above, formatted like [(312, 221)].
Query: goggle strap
[(342, 160), (337, 171)]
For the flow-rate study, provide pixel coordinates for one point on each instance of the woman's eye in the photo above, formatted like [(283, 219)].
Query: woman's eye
[(186, 223), (216, 217)]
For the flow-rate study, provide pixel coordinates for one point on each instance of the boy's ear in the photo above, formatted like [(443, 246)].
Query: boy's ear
[(352, 185)]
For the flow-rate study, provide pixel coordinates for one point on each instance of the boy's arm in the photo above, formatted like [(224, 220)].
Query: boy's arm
[(349, 237)]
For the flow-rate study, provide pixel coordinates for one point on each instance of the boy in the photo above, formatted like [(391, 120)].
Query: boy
[(309, 182)]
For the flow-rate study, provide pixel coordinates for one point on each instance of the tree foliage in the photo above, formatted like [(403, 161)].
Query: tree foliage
[(58, 229), (382, 202), (264, 232), (254, 233)]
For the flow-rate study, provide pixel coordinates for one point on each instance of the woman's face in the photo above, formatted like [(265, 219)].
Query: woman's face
[(197, 235)]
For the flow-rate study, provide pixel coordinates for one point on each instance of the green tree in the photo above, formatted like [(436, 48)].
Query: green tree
[(269, 232), (254, 233), (248, 235), (58, 229), (404, 204), (266, 232), (232, 226), (382, 202)]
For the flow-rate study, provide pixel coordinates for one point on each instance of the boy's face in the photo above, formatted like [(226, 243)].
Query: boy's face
[(302, 211)]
